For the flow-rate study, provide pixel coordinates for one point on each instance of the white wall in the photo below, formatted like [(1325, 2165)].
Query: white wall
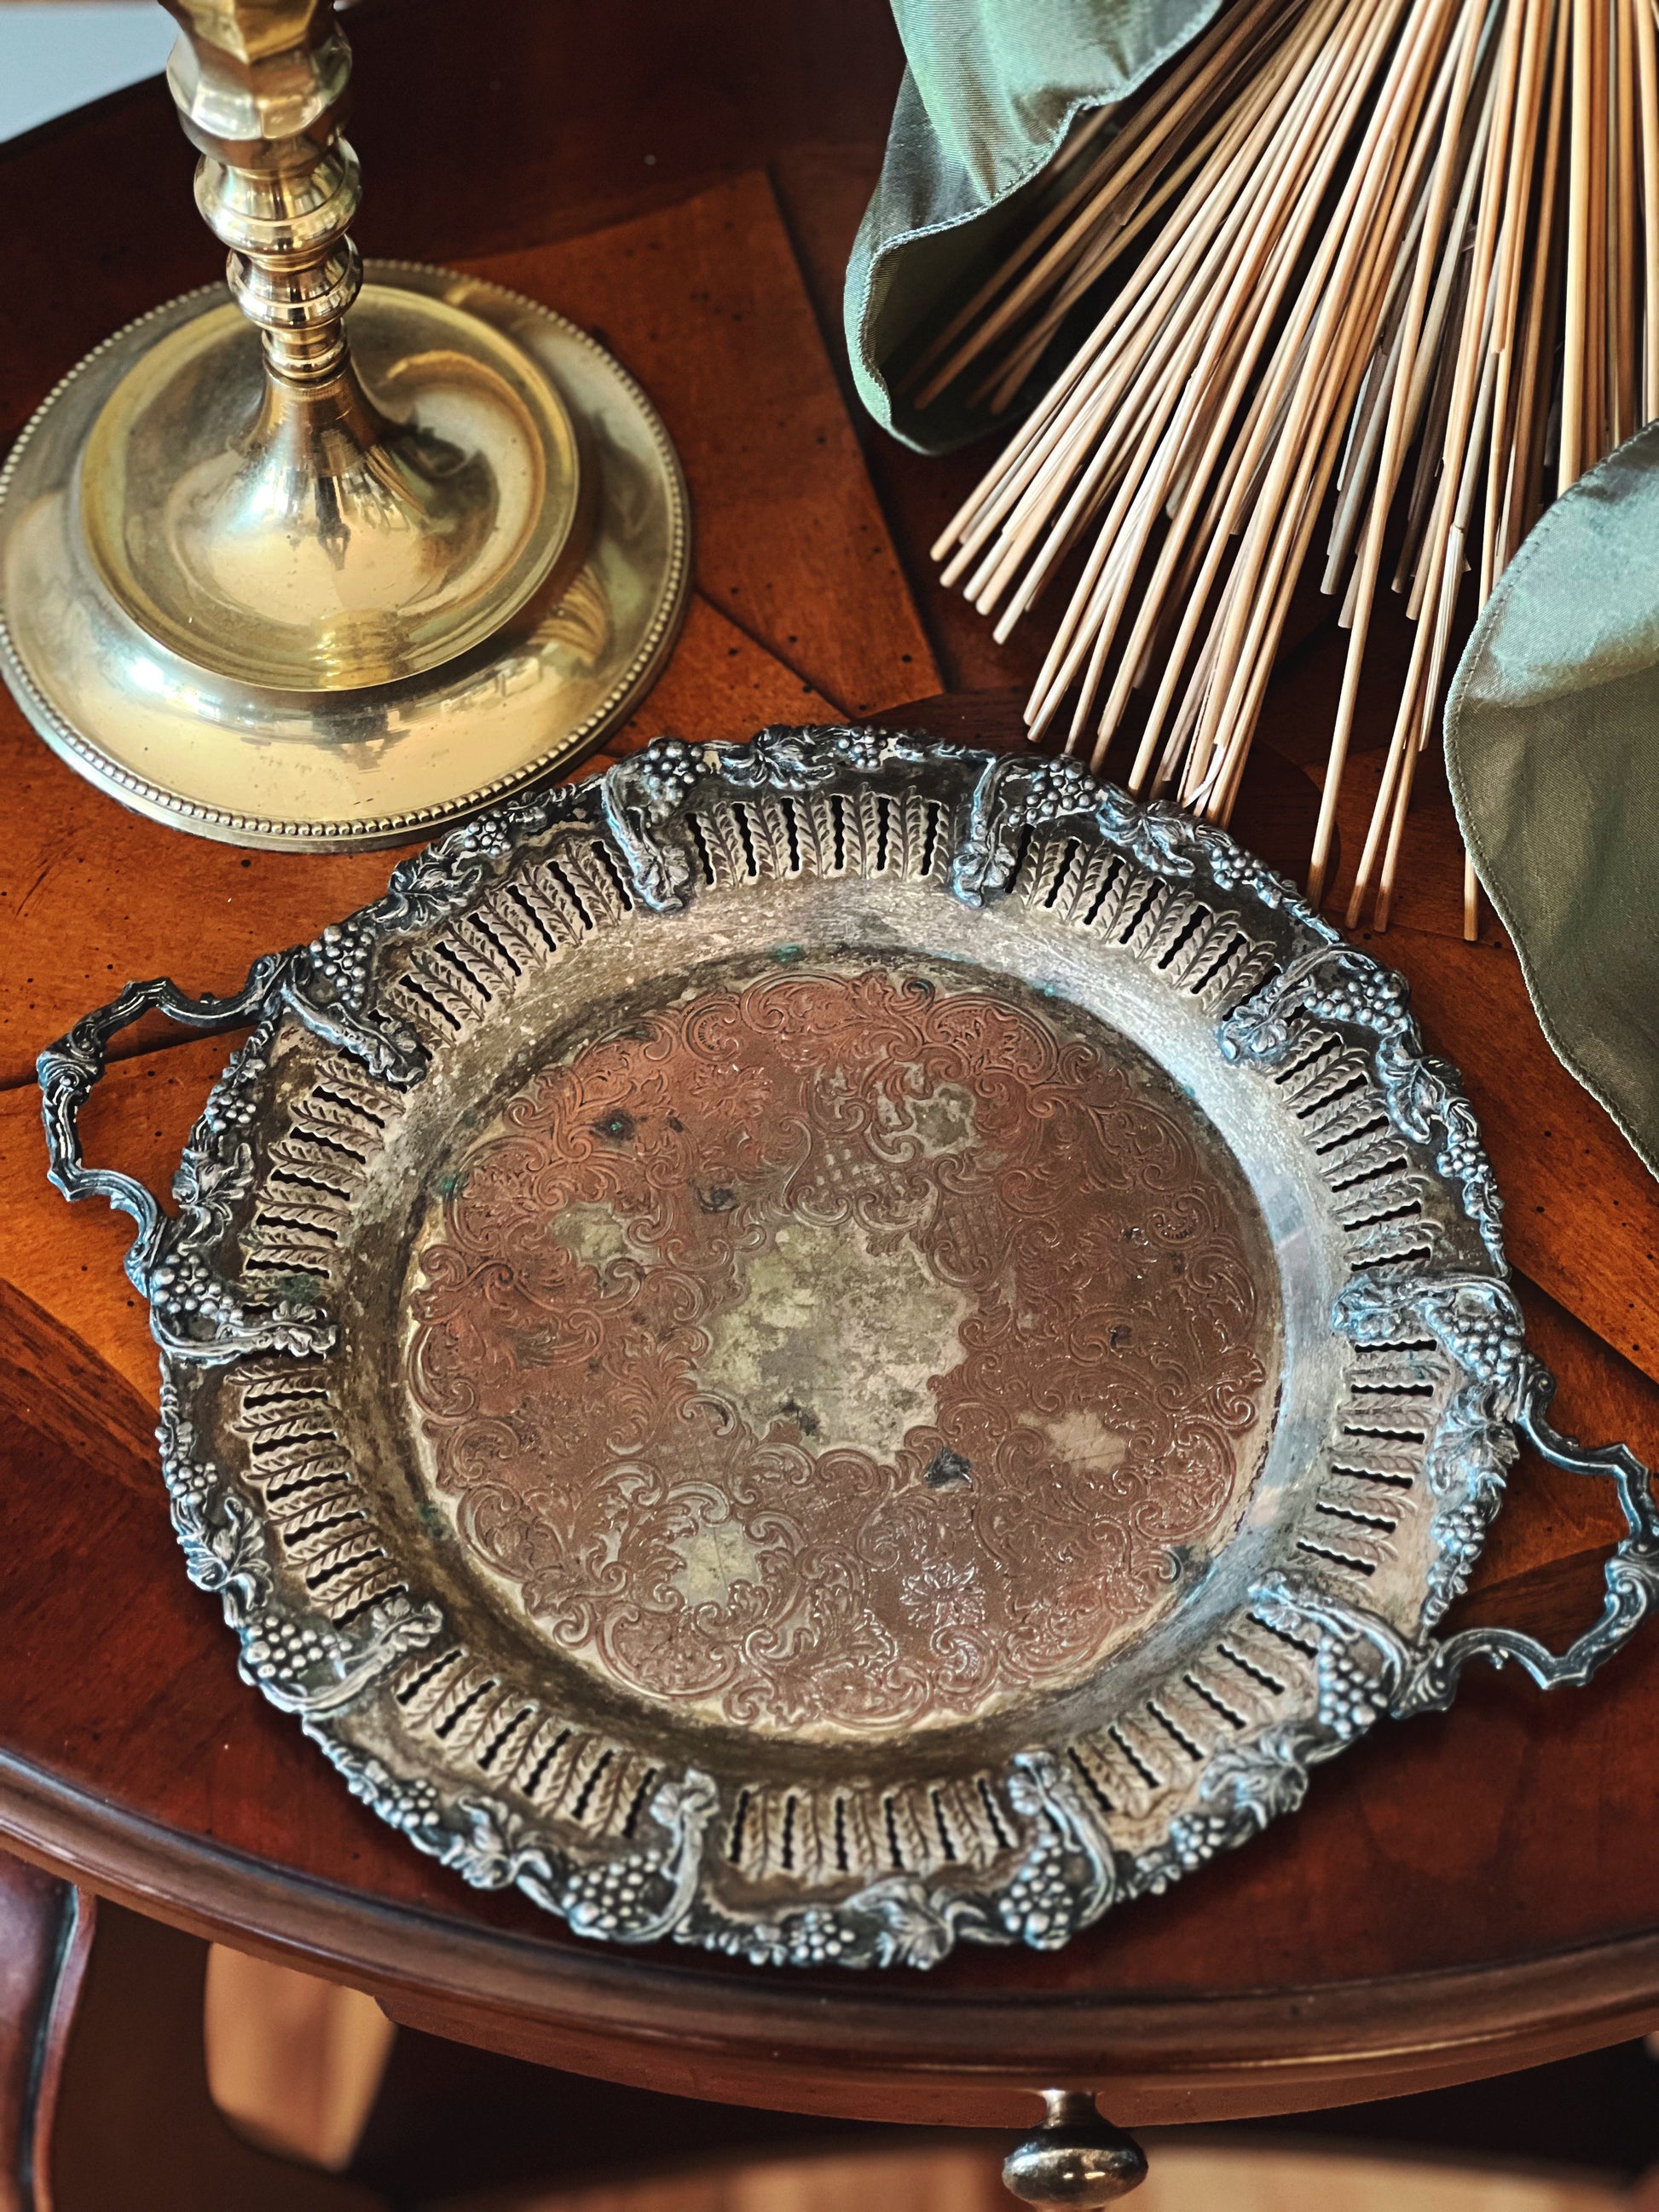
[(54, 54)]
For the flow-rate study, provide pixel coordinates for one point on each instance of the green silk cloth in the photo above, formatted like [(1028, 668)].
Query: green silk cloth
[(990, 90), (1553, 749)]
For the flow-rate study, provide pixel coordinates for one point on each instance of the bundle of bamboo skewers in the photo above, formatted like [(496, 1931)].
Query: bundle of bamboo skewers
[(1386, 267)]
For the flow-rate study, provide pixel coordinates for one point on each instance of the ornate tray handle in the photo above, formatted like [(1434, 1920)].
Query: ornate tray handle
[(195, 1314), (1632, 1575), (1422, 1678)]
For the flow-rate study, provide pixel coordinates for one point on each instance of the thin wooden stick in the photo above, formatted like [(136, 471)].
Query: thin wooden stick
[(1451, 576), (1574, 438), (1515, 205), (1595, 379), (1394, 443), (1436, 375), (1647, 77), (1526, 460), (1344, 250), (1621, 227), (1280, 581), (1253, 549), (1367, 431), (1473, 381)]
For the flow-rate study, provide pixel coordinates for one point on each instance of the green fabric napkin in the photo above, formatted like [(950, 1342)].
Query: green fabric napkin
[(1552, 748), (991, 89)]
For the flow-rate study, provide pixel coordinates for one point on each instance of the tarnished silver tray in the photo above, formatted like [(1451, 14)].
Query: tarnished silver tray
[(829, 1347)]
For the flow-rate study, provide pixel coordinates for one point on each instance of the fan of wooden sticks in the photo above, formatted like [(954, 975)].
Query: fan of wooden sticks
[(1394, 264)]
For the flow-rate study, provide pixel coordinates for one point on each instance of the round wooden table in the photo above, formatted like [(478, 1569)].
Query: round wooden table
[(1459, 1896)]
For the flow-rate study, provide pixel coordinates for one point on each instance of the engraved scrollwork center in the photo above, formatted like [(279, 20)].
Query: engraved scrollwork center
[(844, 1350)]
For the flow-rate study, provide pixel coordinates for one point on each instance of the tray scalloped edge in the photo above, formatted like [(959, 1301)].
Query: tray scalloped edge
[(1064, 1871)]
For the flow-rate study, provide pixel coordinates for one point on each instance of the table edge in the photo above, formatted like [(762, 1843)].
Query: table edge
[(887, 2046)]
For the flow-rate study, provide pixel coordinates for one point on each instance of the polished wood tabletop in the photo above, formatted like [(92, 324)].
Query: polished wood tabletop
[(1459, 1895)]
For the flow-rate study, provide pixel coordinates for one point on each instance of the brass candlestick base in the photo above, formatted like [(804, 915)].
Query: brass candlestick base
[(283, 589), (298, 538)]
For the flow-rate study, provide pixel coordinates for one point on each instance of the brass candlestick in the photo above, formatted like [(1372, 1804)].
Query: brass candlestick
[(347, 557)]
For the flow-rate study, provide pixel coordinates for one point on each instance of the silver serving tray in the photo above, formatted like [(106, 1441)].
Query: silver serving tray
[(828, 1346)]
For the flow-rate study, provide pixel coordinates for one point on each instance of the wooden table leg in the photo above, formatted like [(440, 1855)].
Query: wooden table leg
[(104, 2102), (45, 1938)]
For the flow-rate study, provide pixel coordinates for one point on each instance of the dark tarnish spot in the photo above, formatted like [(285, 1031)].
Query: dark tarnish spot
[(803, 1417), (717, 1200), (950, 1471), (1122, 1334), (618, 1126), (676, 1125)]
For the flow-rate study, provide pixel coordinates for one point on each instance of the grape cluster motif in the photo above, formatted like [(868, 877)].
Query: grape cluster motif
[(1347, 1692), (1480, 1325), (1195, 1837), (666, 772), (609, 1898), (817, 1937), (340, 960), (1038, 1905), (279, 1651)]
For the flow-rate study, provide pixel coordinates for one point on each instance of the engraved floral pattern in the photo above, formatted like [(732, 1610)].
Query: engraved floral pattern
[(642, 1299)]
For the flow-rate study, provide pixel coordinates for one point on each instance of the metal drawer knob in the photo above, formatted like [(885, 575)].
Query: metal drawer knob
[(1076, 2159)]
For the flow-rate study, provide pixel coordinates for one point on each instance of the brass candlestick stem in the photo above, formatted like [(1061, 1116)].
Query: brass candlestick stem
[(347, 557)]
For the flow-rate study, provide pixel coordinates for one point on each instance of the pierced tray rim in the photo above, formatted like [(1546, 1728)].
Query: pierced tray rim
[(1067, 1872)]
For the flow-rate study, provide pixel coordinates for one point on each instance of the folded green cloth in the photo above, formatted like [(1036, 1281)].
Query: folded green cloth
[(991, 89), (1552, 747)]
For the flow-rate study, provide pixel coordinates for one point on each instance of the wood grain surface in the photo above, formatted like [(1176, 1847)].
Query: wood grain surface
[(1458, 1896)]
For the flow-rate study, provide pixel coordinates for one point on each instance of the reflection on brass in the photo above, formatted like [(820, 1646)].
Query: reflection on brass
[(304, 574), (842, 1352), (292, 536)]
